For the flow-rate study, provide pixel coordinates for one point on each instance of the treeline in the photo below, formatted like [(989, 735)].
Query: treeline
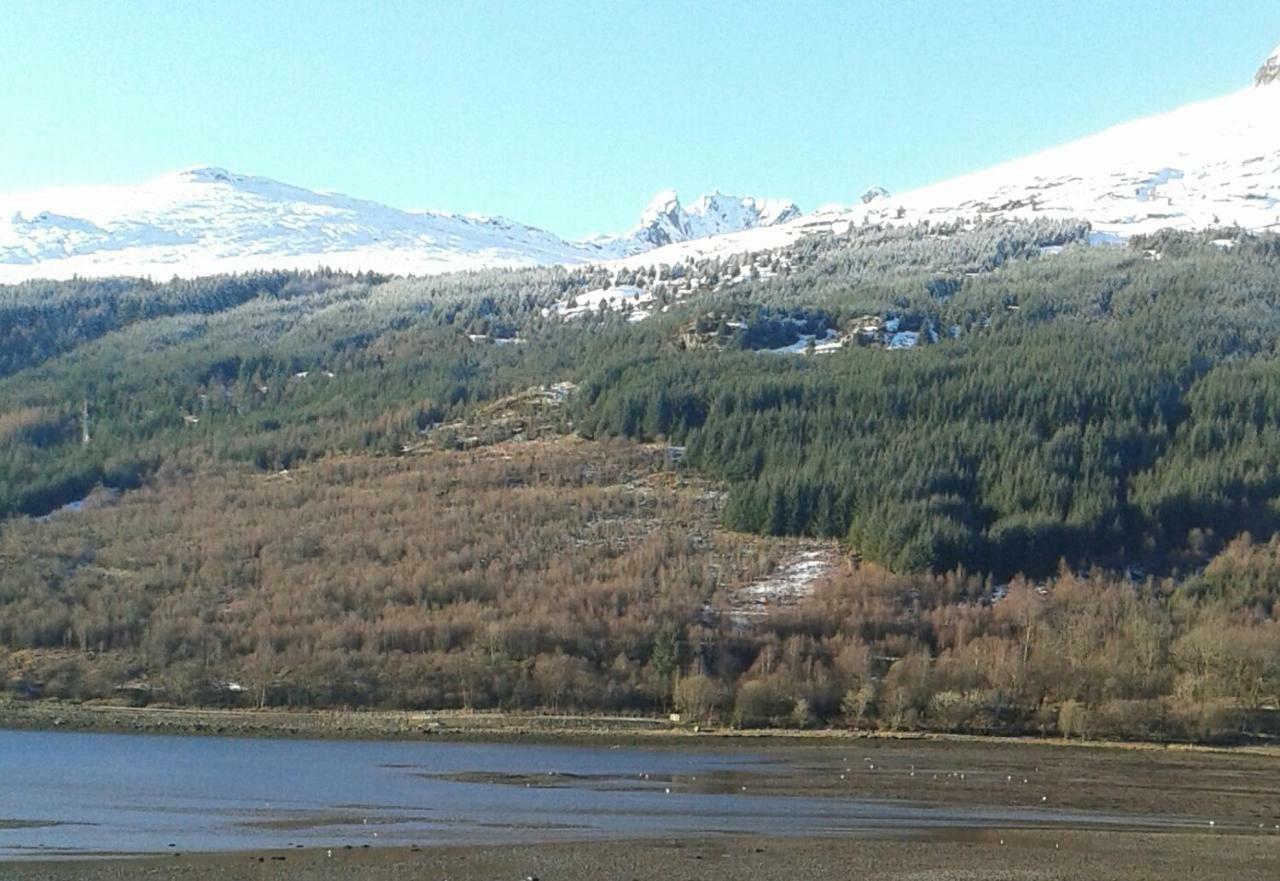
[(545, 574), (1097, 407), (1076, 655), (42, 319), (274, 379), (293, 525), (579, 576), (213, 361)]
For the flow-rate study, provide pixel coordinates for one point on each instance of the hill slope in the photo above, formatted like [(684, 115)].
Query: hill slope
[(1209, 164)]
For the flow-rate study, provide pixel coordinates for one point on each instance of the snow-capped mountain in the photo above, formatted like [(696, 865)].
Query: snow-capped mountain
[(207, 220), (665, 221), (1214, 163), (1209, 164)]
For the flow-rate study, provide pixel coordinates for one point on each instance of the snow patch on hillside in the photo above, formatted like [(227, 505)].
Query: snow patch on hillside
[(784, 588), (625, 297), (904, 339), (829, 342)]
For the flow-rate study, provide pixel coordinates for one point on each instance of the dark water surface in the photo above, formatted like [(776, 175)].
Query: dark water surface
[(85, 794)]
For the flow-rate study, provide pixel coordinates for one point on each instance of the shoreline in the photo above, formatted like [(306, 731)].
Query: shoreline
[(1027, 855), (1158, 812), (502, 727)]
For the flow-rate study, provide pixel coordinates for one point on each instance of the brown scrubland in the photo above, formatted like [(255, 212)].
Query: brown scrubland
[(586, 576)]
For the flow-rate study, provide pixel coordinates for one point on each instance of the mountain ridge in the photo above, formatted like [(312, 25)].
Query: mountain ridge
[(1212, 163), (206, 219), (1207, 164)]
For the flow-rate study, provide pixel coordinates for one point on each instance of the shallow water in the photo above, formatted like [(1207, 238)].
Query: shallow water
[(84, 794)]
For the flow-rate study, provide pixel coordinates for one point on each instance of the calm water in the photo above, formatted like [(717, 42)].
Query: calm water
[(81, 794)]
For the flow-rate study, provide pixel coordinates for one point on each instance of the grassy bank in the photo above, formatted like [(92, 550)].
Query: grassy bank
[(491, 727)]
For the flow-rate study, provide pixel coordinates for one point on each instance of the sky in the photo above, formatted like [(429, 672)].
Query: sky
[(570, 116)]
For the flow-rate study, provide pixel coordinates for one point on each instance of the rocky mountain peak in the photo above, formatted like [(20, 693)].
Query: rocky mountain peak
[(1269, 73), (665, 220), (873, 193)]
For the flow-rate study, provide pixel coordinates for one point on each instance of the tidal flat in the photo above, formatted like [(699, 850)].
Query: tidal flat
[(100, 807)]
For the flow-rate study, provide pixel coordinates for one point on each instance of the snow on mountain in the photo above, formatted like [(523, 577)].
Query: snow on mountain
[(1213, 163), (665, 221), (207, 220)]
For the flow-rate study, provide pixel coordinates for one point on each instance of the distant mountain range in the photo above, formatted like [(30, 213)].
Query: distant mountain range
[(1214, 163), (206, 220)]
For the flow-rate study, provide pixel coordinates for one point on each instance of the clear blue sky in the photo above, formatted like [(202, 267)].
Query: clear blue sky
[(571, 116)]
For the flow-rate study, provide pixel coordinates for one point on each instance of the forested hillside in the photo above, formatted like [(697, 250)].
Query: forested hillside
[(954, 408), (1097, 407)]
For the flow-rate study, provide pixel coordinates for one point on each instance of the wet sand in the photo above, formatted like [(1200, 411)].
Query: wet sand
[(1238, 791), (1222, 809), (985, 856)]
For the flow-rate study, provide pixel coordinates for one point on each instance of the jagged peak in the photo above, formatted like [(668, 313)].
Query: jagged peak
[(667, 220), (664, 202), (1269, 73), (769, 210), (871, 194)]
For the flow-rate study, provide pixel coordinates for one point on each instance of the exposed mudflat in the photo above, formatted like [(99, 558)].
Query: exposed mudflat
[(927, 810), (969, 856)]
